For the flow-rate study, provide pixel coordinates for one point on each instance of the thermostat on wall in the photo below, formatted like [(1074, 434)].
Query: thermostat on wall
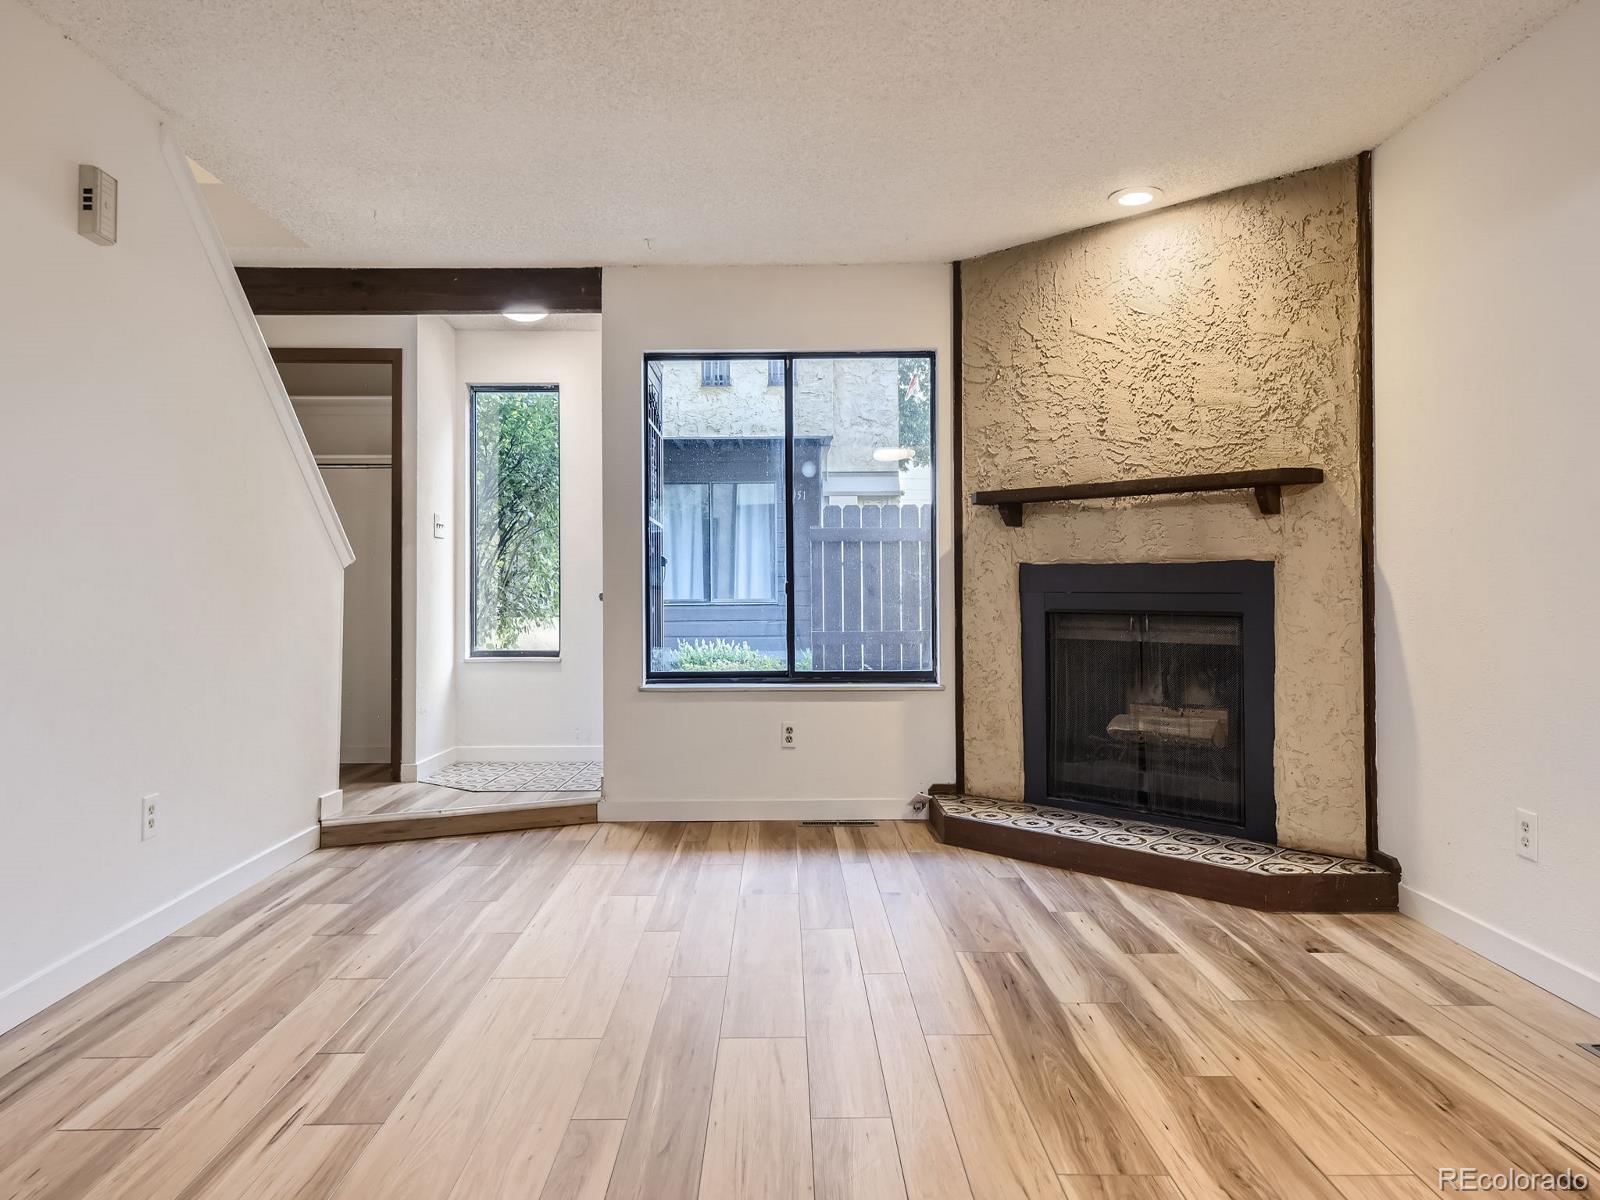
[(97, 205)]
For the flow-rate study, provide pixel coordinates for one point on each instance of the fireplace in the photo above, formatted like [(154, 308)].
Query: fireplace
[(1147, 692)]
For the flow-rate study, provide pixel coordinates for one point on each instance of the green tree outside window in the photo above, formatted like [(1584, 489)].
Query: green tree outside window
[(516, 520)]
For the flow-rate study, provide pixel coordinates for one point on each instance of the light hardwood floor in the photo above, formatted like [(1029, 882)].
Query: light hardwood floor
[(646, 1012)]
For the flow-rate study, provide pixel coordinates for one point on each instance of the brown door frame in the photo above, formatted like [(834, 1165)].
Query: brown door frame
[(396, 359)]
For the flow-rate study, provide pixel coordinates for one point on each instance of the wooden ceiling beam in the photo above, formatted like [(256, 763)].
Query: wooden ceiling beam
[(372, 291)]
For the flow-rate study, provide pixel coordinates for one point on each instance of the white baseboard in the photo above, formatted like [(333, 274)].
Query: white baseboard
[(527, 753), (1567, 980), (330, 804), (871, 808), (413, 771), (66, 975)]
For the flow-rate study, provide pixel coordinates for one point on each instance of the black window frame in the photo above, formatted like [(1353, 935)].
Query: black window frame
[(790, 675), (472, 520)]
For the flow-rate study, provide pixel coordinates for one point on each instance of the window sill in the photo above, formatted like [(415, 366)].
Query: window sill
[(791, 688), (511, 658)]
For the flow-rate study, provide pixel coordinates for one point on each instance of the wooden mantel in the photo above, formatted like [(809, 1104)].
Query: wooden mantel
[(1267, 484)]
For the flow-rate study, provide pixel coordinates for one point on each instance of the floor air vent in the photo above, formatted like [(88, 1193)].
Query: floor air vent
[(838, 822), (1592, 1047)]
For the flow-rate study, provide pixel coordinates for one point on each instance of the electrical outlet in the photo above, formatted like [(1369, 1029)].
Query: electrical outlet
[(788, 741), (147, 817), (1528, 834)]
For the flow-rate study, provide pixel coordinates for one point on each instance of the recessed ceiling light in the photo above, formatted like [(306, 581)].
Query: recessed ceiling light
[(525, 316), (1136, 197)]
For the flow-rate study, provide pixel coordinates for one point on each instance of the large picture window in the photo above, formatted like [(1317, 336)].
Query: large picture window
[(789, 518), (515, 435)]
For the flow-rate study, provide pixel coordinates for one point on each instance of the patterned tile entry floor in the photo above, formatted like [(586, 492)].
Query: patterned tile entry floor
[(519, 776)]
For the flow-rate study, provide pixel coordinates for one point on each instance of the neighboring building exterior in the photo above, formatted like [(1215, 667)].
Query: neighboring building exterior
[(851, 405)]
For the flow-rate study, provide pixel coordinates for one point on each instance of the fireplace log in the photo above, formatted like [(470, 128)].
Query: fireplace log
[(1153, 723)]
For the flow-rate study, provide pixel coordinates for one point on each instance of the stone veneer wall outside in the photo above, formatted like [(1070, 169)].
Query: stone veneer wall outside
[(1216, 335)]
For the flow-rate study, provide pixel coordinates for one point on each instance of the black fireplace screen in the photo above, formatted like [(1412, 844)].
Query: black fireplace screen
[(1147, 690), (1144, 712)]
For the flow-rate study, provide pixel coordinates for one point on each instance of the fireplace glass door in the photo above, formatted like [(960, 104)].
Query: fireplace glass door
[(1144, 713)]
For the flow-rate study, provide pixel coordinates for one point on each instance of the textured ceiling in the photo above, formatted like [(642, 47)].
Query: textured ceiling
[(512, 132)]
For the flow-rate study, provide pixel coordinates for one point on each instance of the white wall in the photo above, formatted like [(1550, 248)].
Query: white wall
[(1487, 252), (426, 694), (539, 708), (345, 425), (336, 426), (708, 753), (434, 475), (170, 613), (363, 498), (505, 708)]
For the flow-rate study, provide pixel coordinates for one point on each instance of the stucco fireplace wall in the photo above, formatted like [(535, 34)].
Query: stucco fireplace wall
[(1216, 335)]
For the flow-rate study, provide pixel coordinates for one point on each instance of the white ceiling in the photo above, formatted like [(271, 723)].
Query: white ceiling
[(512, 132)]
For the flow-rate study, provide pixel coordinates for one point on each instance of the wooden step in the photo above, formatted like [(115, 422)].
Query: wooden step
[(455, 822)]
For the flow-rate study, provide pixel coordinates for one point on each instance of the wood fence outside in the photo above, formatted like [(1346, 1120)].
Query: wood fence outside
[(870, 593)]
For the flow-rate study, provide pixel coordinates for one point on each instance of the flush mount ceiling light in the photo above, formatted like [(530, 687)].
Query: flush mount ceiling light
[(1136, 197), (525, 316)]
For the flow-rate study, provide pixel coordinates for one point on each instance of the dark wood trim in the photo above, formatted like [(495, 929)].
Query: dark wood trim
[(1266, 484), (298, 291), (397, 600), (361, 831), (1269, 893), (958, 475), (1369, 584)]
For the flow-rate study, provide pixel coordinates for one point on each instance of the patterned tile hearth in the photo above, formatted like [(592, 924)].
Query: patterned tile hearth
[(1169, 841), (519, 776)]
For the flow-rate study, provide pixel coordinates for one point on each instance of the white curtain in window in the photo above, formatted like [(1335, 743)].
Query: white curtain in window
[(753, 554), (683, 541)]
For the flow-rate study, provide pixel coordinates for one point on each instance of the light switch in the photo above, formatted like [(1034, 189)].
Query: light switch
[(438, 526)]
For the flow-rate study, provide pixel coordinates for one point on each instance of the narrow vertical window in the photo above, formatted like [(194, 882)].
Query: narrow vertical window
[(515, 435)]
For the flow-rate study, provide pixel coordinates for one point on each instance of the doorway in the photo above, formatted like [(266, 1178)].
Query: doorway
[(348, 401)]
